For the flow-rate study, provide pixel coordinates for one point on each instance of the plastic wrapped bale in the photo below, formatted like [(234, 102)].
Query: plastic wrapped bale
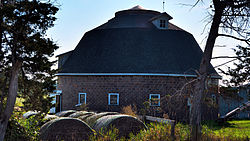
[(79, 113), (67, 129), (29, 114), (65, 113), (91, 120), (85, 116), (124, 123)]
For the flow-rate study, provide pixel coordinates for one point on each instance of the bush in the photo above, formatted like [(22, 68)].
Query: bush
[(24, 129), (155, 132), (129, 110), (15, 131), (102, 135), (160, 131)]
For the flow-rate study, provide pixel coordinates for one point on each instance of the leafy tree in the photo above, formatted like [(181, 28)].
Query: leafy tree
[(229, 18), (240, 73), (36, 93), (25, 51)]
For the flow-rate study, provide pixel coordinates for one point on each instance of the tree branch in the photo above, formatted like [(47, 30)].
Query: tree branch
[(183, 87), (233, 5), (240, 39), (225, 63), (227, 57)]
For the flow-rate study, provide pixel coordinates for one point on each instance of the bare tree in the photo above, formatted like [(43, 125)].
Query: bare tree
[(231, 17)]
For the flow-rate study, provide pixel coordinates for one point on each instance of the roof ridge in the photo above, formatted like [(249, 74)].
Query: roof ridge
[(137, 7)]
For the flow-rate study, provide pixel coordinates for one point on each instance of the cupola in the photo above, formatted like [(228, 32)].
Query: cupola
[(161, 21)]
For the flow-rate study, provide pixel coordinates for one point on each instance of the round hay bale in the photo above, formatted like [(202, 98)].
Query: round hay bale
[(29, 114), (68, 129), (65, 113), (50, 117), (84, 117), (124, 123), (91, 120), (78, 114)]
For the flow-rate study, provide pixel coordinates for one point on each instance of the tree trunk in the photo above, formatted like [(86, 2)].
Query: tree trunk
[(197, 97), (11, 99)]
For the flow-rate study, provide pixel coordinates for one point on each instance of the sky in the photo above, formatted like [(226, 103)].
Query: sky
[(75, 17)]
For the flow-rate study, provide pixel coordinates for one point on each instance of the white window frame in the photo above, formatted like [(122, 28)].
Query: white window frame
[(159, 97), (79, 96), (110, 94)]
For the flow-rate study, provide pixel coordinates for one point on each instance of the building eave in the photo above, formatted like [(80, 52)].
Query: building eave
[(64, 53), (131, 74)]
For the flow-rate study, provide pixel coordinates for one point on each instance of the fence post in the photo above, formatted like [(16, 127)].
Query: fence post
[(173, 130)]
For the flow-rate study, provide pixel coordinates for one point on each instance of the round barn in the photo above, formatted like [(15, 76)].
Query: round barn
[(137, 56)]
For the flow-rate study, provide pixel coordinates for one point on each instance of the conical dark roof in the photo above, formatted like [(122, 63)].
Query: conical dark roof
[(136, 17), (129, 43)]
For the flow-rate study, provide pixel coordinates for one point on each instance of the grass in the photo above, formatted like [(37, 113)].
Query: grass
[(235, 128)]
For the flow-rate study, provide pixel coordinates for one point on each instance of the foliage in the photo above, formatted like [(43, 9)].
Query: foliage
[(24, 54), (24, 129), (155, 132), (145, 109), (28, 129), (32, 125), (23, 32), (129, 110), (19, 102), (230, 92), (212, 131), (15, 131), (35, 95), (240, 73), (110, 135), (23, 35), (150, 110)]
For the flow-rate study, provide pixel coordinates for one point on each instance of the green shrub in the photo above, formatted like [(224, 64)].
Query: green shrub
[(24, 129), (32, 125), (15, 131), (211, 131), (155, 132), (110, 135)]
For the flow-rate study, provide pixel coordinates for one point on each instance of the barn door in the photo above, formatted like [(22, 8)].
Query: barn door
[(58, 103)]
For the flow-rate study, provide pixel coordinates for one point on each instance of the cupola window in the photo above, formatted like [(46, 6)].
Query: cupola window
[(162, 23)]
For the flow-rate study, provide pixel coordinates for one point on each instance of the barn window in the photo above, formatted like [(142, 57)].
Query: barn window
[(154, 99), (189, 102), (82, 98), (162, 23), (113, 99), (213, 98)]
